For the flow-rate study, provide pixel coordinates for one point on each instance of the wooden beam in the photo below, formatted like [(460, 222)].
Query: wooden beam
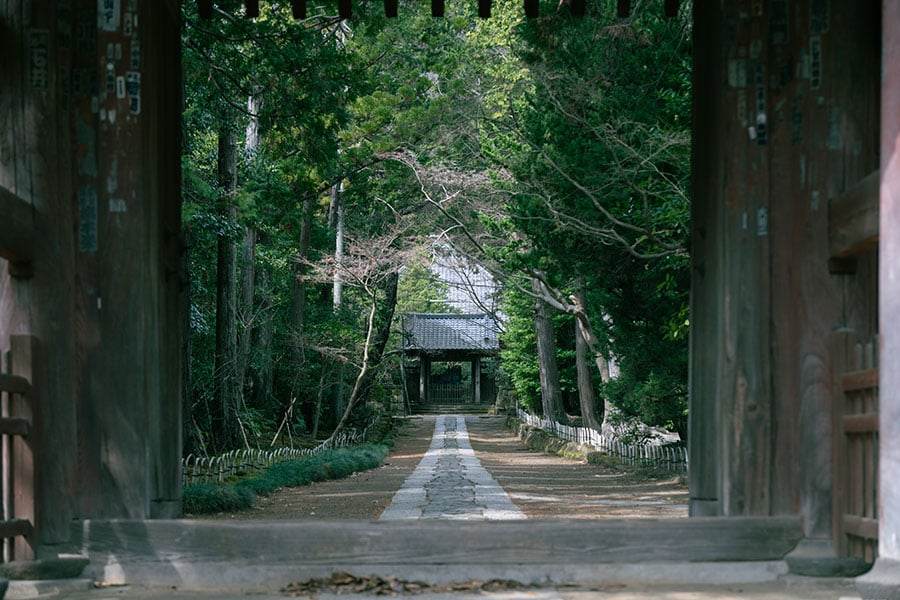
[(14, 384), (15, 426), (859, 380), (853, 219), (863, 423), (861, 527), (303, 544), (16, 233), (15, 527)]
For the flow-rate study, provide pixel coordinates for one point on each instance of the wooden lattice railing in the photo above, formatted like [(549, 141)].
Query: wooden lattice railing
[(856, 447), (18, 397)]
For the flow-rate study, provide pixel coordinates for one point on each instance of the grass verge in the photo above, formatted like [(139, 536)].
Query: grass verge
[(206, 498)]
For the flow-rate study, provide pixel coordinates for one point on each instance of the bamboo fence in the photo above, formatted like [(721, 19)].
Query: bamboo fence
[(669, 457)]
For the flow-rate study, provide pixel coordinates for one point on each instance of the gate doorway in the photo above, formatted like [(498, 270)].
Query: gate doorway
[(449, 360)]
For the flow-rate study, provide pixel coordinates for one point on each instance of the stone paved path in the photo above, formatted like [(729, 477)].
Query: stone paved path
[(450, 483)]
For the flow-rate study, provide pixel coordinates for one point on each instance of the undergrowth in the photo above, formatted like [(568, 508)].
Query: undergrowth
[(206, 498)]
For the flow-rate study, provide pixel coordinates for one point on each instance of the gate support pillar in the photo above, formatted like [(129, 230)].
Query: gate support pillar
[(883, 581)]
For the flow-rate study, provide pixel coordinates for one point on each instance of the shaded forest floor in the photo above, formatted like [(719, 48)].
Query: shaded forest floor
[(544, 486)]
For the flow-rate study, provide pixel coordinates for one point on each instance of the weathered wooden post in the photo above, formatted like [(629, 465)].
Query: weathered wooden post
[(785, 115), (883, 581), (90, 103)]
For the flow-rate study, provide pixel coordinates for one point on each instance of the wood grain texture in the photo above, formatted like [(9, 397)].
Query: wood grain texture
[(15, 426), (889, 291), (771, 145), (16, 228), (15, 527), (14, 384), (707, 237), (853, 218), (443, 542), (25, 479)]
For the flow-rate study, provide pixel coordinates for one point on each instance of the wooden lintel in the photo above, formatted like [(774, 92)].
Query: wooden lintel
[(862, 423), (861, 527), (860, 380), (16, 232), (14, 384), (853, 219), (15, 527), (15, 426)]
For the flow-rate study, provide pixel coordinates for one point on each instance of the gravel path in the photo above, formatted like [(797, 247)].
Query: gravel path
[(450, 482), (543, 486)]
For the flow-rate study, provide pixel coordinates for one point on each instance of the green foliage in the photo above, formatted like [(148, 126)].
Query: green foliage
[(420, 291), (208, 498), (331, 464), (519, 353), (599, 155), (560, 144)]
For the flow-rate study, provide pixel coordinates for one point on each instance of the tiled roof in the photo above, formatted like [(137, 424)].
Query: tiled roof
[(433, 332)]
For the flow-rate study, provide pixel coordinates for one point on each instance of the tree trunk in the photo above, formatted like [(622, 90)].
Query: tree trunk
[(337, 213), (586, 395), (338, 206), (248, 259), (189, 437), (551, 394), (373, 351), (225, 402), (298, 284), (246, 308), (261, 372)]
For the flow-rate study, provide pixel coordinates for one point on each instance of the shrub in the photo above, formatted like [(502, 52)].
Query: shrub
[(240, 495)]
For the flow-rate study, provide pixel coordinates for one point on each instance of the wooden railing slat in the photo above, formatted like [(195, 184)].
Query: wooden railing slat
[(859, 380), (14, 384), (863, 423), (15, 426), (861, 527), (16, 231), (15, 527)]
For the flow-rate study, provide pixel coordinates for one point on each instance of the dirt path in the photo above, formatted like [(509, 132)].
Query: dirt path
[(544, 486), (547, 486)]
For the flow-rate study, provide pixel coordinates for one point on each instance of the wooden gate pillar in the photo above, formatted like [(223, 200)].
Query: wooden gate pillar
[(90, 138), (773, 144), (425, 379), (883, 581), (476, 380)]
